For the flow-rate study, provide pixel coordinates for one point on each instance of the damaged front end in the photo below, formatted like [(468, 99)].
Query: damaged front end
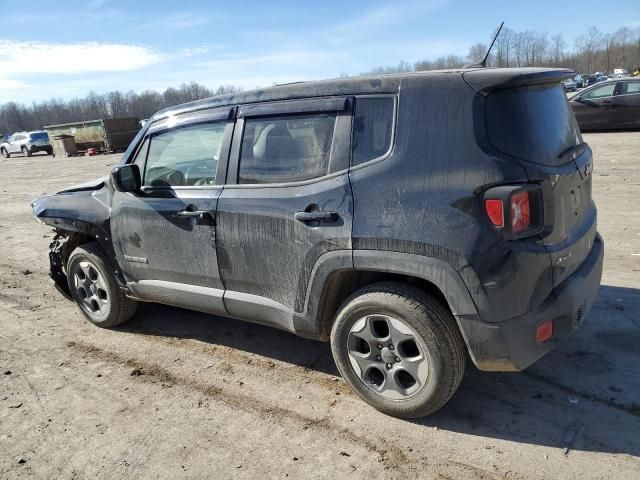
[(78, 214)]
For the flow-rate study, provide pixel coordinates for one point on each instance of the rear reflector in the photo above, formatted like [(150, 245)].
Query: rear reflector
[(520, 212), (495, 211), (544, 331)]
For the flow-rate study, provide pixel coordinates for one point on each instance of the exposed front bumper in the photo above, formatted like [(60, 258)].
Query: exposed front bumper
[(511, 345)]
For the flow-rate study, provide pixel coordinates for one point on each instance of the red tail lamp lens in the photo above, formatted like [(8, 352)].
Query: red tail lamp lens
[(495, 211), (520, 211), (544, 331)]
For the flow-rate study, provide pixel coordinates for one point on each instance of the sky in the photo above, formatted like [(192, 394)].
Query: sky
[(69, 48)]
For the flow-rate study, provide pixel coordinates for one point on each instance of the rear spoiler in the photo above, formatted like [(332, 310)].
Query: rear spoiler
[(485, 80)]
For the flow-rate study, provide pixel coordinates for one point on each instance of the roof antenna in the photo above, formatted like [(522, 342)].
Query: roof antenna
[(483, 63)]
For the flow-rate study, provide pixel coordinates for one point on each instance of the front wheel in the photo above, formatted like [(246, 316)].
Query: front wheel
[(399, 349), (95, 289), (5, 154)]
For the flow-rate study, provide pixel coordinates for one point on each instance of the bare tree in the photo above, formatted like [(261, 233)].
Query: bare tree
[(558, 46), (477, 52), (503, 47)]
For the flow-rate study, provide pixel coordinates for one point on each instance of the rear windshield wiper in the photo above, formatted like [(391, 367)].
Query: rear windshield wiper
[(574, 151)]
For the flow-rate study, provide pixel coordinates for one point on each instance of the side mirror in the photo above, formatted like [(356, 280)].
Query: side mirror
[(126, 178)]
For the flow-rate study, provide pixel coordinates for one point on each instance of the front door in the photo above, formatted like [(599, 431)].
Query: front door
[(164, 236), (288, 202), (594, 109)]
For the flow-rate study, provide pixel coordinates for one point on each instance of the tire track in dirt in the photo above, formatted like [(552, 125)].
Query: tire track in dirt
[(389, 455), (229, 353)]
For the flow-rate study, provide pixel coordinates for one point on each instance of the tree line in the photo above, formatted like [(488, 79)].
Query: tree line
[(15, 117), (592, 52)]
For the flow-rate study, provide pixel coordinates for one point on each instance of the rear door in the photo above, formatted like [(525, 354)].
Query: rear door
[(287, 201), (627, 103), (164, 236), (595, 109)]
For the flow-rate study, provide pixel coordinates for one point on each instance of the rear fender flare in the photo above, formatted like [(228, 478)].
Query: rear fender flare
[(439, 273)]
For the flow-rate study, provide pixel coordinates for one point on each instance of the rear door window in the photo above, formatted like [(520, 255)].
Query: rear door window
[(372, 128), (630, 88), (532, 123), (283, 149)]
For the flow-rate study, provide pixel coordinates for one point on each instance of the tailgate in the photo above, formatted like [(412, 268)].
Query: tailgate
[(528, 119)]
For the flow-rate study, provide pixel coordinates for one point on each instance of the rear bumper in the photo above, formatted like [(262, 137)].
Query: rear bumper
[(511, 344), (40, 148)]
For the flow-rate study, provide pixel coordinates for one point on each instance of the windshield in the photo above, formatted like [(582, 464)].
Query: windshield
[(532, 123)]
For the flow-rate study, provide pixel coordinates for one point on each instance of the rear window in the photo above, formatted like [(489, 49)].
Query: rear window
[(532, 123), (372, 128), (39, 136)]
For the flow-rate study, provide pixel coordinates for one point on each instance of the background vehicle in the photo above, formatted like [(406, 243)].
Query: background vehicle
[(589, 80), (580, 80), (614, 104), (26, 143), (337, 211), (569, 85)]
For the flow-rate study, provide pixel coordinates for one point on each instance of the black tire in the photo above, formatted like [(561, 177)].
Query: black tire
[(49, 151), (105, 304), (5, 154), (25, 152), (434, 326)]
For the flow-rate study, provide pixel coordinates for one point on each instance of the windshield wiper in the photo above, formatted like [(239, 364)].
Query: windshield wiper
[(574, 152)]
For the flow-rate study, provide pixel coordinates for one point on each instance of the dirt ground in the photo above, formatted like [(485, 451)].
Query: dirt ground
[(179, 394)]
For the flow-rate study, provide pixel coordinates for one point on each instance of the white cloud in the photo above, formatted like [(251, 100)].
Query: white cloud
[(172, 23), (8, 84), (36, 57)]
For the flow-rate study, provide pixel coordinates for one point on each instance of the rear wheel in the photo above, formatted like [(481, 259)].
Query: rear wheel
[(25, 152), (95, 290), (399, 349), (4, 152)]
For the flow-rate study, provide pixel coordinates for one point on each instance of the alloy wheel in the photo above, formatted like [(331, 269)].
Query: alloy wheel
[(388, 356), (90, 288)]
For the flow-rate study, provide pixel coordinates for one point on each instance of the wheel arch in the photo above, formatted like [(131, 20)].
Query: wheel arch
[(338, 274)]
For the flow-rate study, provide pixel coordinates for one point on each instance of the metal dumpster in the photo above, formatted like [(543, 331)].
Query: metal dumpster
[(105, 134), (64, 146)]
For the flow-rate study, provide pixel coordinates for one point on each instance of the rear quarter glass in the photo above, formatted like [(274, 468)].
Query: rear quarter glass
[(532, 123)]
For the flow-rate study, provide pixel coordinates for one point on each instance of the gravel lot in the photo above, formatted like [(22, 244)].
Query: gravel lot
[(180, 394)]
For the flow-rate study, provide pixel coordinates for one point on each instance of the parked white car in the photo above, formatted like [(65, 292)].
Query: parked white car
[(26, 143), (569, 85)]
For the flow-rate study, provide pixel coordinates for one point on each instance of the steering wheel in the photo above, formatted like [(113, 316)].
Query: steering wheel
[(198, 169), (205, 182)]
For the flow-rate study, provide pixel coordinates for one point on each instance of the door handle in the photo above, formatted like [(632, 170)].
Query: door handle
[(607, 102), (318, 216), (193, 213)]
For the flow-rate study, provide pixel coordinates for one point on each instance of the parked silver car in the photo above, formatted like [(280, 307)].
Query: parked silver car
[(569, 85), (26, 143)]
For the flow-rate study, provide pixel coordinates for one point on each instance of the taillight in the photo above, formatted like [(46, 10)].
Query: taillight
[(520, 212), (515, 210), (495, 211)]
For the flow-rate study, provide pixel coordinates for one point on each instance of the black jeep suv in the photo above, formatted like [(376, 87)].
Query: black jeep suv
[(409, 219)]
